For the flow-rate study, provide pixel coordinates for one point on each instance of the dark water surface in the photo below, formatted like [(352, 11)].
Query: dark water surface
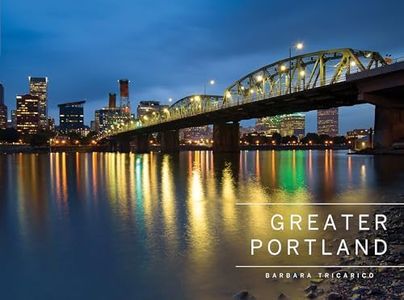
[(153, 226)]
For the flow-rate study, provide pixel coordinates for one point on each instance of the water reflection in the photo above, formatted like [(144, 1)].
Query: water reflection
[(168, 224)]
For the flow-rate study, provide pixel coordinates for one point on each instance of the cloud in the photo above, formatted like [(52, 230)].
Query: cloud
[(170, 48)]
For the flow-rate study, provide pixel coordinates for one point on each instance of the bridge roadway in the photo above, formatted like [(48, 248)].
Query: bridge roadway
[(382, 86)]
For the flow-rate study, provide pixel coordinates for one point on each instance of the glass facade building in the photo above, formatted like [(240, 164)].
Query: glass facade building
[(327, 121), (71, 117), (291, 124), (27, 114), (38, 86)]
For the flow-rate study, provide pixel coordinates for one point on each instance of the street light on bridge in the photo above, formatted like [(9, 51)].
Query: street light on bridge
[(211, 82), (297, 46)]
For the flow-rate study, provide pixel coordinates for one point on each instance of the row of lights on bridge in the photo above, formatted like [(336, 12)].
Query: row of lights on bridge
[(211, 82)]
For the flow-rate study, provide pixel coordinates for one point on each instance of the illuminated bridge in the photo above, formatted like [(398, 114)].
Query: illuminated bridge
[(319, 80)]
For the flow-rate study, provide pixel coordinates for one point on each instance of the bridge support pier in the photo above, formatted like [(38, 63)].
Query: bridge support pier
[(389, 126), (226, 137), (141, 142), (123, 145), (170, 141)]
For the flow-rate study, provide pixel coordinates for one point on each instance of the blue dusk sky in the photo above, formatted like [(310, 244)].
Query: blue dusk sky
[(170, 48)]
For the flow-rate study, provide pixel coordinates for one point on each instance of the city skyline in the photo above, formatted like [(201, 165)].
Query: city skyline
[(160, 69)]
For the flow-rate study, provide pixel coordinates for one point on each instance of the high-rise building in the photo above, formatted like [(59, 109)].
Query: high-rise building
[(3, 116), (112, 100), (327, 121), (293, 124), (27, 114), (38, 86), (3, 109), (124, 96), (71, 117)]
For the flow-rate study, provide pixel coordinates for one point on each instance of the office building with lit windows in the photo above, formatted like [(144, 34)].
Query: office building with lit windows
[(148, 108), (107, 117), (71, 117), (112, 115), (293, 124), (327, 121), (38, 86), (27, 114), (269, 125)]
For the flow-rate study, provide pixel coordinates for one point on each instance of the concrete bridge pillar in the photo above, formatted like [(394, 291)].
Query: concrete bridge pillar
[(111, 145), (389, 126), (170, 141), (141, 142), (123, 145), (226, 137)]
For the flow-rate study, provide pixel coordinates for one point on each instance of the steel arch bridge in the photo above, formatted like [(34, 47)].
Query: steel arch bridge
[(287, 76), (301, 73)]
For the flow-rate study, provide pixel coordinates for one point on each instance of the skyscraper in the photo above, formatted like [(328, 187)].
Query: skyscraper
[(327, 121), (3, 109), (27, 114), (71, 117), (124, 95), (38, 86), (112, 100)]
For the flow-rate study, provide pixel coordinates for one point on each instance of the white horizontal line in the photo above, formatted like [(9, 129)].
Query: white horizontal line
[(319, 204), (390, 267)]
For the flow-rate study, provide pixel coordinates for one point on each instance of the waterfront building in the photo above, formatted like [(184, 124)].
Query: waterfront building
[(201, 134), (38, 86), (269, 125), (71, 117), (27, 114), (293, 124), (3, 109), (327, 121), (357, 133)]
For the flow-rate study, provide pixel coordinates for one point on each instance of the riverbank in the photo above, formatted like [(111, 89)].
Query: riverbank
[(387, 283)]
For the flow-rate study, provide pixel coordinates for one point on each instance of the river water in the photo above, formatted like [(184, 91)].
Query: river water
[(154, 226)]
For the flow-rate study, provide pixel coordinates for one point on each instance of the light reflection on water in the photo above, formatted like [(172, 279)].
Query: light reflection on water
[(146, 226)]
